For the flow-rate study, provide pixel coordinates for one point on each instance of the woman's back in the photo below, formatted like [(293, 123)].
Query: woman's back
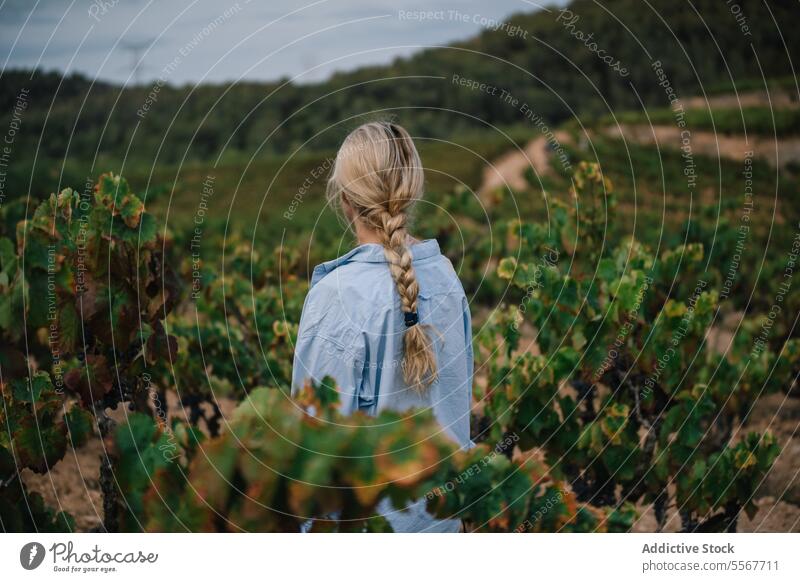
[(352, 330), (389, 320)]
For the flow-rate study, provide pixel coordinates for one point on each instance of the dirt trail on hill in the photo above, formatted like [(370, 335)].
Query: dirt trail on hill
[(774, 99), (508, 171), (707, 143)]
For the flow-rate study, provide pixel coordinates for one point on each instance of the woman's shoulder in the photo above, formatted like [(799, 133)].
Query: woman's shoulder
[(351, 296), (354, 282), (438, 276)]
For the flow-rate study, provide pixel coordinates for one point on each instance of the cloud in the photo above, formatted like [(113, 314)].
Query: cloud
[(358, 32)]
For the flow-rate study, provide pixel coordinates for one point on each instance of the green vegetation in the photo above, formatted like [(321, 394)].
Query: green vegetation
[(616, 419), (623, 341), (771, 84), (288, 464), (598, 391)]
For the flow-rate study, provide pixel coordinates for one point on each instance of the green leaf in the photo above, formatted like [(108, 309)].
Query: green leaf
[(675, 309), (39, 446), (69, 328), (31, 391), (506, 268), (135, 435), (79, 424), (131, 209)]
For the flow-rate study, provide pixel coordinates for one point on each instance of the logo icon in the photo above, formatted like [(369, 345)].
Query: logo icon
[(31, 555)]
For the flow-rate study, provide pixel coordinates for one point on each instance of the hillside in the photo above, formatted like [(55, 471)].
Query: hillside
[(551, 62)]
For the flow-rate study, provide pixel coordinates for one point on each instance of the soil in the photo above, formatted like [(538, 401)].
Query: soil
[(508, 171), (72, 484)]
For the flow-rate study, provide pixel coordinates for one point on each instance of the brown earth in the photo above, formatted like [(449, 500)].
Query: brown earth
[(72, 484), (508, 171), (707, 143)]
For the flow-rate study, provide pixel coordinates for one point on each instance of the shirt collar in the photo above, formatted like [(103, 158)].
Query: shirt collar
[(373, 253)]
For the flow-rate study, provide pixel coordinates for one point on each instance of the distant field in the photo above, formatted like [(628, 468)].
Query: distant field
[(295, 186), (754, 120)]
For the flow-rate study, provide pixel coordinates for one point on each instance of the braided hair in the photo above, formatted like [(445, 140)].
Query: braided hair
[(378, 173)]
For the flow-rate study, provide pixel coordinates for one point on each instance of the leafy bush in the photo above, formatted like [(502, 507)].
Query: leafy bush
[(85, 290), (283, 462), (649, 404), (617, 400)]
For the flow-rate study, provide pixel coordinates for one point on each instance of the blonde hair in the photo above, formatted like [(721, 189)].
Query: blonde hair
[(378, 173)]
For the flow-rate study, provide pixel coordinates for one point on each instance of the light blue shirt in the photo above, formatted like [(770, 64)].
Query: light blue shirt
[(352, 330)]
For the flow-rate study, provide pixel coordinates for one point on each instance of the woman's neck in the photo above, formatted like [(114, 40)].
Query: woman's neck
[(366, 235)]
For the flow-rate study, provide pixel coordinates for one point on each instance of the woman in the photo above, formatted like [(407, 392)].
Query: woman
[(389, 320)]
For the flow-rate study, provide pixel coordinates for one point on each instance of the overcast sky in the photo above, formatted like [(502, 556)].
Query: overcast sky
[(223, 40)]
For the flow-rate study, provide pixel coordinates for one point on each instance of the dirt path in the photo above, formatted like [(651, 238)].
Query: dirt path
[(508, 171), (774, 99), (707, 143)]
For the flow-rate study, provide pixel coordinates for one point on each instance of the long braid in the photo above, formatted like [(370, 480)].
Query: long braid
[(381, 196), (394, 235)]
